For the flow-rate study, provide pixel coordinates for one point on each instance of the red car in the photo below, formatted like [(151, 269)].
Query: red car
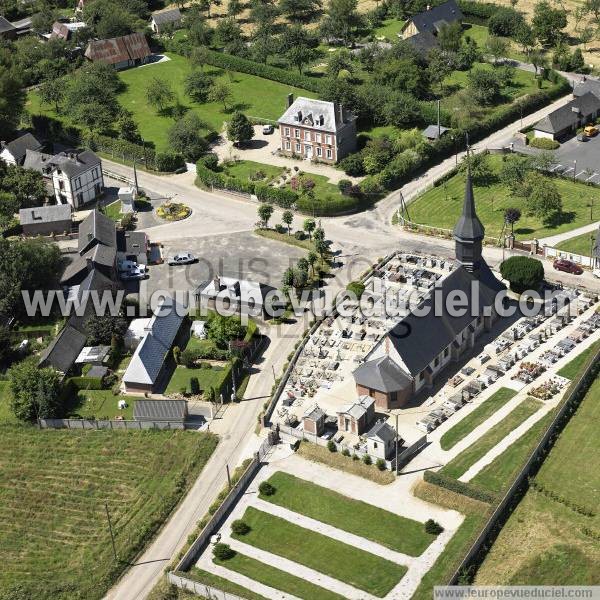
[(561, 264)]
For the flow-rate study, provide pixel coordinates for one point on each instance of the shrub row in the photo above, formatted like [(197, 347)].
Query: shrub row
[(481, 11), (544, 143), (121, 149), (578, 508), (466, 489), (85, 383)]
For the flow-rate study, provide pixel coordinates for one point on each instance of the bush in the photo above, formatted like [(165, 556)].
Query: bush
[(169, 162), (433, 527), (505, 22), (240, 527), (210, 160), (223, 551), (128, 222), (367, 460), (353, 165), (331, 446), (194, 386), (345, 452), (357, 288), (266, 489), (523, 273), (381, 464), (188, 358), (466, 489), (544, 143)]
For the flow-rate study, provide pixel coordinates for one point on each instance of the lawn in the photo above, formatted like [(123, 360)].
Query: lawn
[(276, 578), (6, 414), (362, 519), (97, 404), (222, 584), (482, 413), (357, 568), (244, 169), (571, 369), (479, 33), (441, 206), (53, 486), (545, 542), (581, 244), (180, 379), (461, 463), (389, 28), (113, 211)]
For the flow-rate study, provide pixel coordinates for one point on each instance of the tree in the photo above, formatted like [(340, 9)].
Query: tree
[(185, 137), (127, 128), (234, 8), (102, 329), (220, 92), (159, 93), (484, 85), (197, 86), (265, 211), (511, 216), (505, 22), (26, 185), (312, 260), (497, 47), (321, 247), (439, 67), (548, 23), (481, 171), (239, 128), (227, 31), (525, 37), (200, 34), (297, 10), (339, 61), (52, 91), (319, 234), (523, 273), (402, 110), (450, 36), (341, 20), (287, 279), (542, 198), (222, 330), (12, 102), (199, 56), (288, 218), (299, 57), (35, 391), (513, 172), (309, 226), (223, 552)]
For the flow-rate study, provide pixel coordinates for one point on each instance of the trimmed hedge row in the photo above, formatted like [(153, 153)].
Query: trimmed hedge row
[(466, 489)]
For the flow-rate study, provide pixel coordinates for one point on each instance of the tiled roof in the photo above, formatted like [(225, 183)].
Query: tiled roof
[(64, 349), (568, 115), (433, 19), (382, 431), (120, 49), (382, 374)]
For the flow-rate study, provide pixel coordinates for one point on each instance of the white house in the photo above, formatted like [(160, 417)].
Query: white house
[(381, 440), (163, 19), (13, 153), (76, 177)]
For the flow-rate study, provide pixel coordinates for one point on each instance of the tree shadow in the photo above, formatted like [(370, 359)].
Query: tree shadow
[(524, 230), (561, 218)]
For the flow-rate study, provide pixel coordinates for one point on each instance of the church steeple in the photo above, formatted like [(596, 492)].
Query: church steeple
[(469, 231)]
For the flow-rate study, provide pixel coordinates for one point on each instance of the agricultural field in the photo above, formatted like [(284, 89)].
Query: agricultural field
[(547, 540), (441, 206), (54, 538)]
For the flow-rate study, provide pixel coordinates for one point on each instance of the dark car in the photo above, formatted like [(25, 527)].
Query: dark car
[(581, 137), (561, 264)]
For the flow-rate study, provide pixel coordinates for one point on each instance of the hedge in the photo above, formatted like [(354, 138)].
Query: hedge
[(85, 383), (121, 149), (544, 143), (466, 489)]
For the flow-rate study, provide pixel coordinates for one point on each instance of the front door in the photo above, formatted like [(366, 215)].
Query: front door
[(308, 151)]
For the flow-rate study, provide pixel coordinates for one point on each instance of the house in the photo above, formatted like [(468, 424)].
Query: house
[(239, 295), (423, 43), (13, 153), (588, 85), (356, 417), (76, 177), (7, 30), (160, 411), (150, 361), (317, 130), (565, 120), (97, 250), (381, 440), (133, 245), (434, 132), (162, 19), (431, 21), (38, 161), (120, 52), (46, 220), (411, 355), (314, 420), (65, 31)]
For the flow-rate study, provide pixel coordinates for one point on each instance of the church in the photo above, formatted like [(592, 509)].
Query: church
[(418, 348)]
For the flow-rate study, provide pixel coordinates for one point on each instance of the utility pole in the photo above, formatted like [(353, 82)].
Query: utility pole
[(135, 179), (397, 466), (574, 169), (228, 476), (438, 120), (112, 537), (274, 378)]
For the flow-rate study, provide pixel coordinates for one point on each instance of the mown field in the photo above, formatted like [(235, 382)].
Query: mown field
[(546, 541), (54, 537), (581, 244), (441, 206)]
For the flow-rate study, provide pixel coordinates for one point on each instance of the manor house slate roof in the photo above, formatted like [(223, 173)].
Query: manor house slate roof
[(318, 114), (73, 164), (568, 115), (435, 18), (382, 374)]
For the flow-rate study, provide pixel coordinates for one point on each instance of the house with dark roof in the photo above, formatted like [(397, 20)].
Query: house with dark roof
[(120, 52), (427, 24), (565, 120), (65, 31), (62, 352), (317, 129), (589, 85), (160, 411), (76, 177), (415, 351), (46, 220), (7, 30), (152, 359), (165, 19), (13, 153)]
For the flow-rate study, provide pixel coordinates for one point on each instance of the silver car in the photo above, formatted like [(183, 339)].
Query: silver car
[(182, 258)]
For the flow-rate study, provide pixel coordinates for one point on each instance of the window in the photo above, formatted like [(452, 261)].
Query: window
[(297, 134), (288, 146), (319, 151), (287, 131), (61, 184), (436, 362), (95, 173), (318, 137), (79, 199), (446, 352), (328, 139), (329, 153), (78, 183), (307, 136), (421, 375), (297, 147), (374, 444)]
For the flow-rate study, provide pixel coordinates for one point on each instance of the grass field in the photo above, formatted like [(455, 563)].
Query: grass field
[(6, 413), (461, 463), (243, 169), (360, 569), (571, 369), (441, 206), (545, 542), (180, 379), (389, 28), (362, 519), (276, 578), (102, 403), (581, 244), (54, 539), (482, 413), (222, 584)]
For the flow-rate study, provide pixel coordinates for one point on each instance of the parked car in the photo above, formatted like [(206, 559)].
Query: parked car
[(182, 258), (590, 130), (134, 274), (129, 265), (567, 266), (268, 129), (581, 137)]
